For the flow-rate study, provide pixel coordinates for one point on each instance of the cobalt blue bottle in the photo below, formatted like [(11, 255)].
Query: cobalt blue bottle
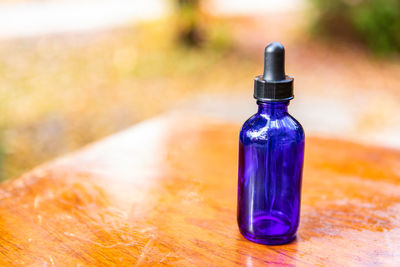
[(271, 152)]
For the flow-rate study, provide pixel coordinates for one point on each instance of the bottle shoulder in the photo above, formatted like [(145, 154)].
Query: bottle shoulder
[(260, 128)]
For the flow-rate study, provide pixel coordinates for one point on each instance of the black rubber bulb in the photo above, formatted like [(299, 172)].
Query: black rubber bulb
[(274, 62), (273, 84)]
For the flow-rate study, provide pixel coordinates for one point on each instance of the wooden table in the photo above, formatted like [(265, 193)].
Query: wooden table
[(164, 193)]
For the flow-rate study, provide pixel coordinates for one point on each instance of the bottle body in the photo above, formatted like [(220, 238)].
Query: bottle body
[(271, 152)]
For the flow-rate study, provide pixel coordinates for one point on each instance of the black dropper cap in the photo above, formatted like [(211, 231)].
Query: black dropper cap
[(273, 85)]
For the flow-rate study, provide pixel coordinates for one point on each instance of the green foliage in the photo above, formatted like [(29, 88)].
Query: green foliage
[(374, 22)]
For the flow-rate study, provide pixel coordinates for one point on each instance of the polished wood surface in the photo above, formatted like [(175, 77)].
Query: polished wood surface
[(164, 193)]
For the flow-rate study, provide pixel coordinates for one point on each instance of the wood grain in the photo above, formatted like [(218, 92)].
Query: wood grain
[(164, 193)]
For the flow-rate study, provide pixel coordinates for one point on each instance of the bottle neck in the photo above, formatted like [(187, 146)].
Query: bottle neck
[(278, 108)]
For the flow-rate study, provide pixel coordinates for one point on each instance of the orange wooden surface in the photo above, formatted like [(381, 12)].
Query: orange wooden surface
[(164, 193)]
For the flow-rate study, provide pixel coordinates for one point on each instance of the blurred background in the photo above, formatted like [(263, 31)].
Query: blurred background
[(72, 72)]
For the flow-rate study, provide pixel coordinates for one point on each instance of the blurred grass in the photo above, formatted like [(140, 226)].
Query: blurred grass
[(58, 93)]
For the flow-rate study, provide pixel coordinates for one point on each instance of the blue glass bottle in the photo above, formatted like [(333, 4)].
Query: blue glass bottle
[(271, 151)]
